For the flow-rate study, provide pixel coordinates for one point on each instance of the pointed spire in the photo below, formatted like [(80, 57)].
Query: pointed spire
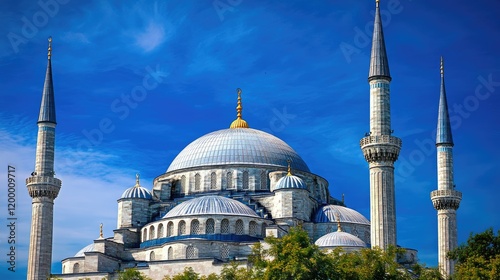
[(444, 128), (48, 107), (101, 235), (239, 122), (339, 226), (289, 167), (379, 65)]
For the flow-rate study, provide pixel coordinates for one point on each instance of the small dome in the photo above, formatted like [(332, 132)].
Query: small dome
[(137, 191), (290, 182), (210, 205), (327, 213), (88, 248), (339, 239)]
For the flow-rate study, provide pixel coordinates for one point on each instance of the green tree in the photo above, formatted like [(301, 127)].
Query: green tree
[(132, 274), (479, 257)]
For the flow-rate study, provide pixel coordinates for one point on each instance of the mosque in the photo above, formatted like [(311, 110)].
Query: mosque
[(229, 189)]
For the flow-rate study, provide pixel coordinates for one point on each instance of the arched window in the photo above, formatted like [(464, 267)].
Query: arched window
[(170, 229), (239, 227), (183, 184), (195, 227), (263, 230), (213, 181), (152, 256), (245, 180), (263, 180), (229, 180), (224, 226), (224, 251), (191, 252), (64, 269), (197, 182), (182, 228), (252, 228), (210, 226), (170, 253), (145, 235), (160, 231), (151, 232), (76, 268)]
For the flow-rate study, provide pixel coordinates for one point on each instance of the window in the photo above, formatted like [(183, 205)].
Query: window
[(170, 253), (197, 182), (263, 230), (152, 256), (151, 232), (182, 228), (263, 180), (239, 227), (229, 180), (145, 235), (252, 228), (210, 226), (195, 227), (191, 252), (245, 180), (213, 181), (160, 231), (224, 251), (170, 229), (76, 268), (224, 226)]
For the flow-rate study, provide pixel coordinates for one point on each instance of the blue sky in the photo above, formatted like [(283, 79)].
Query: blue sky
[(136, 81)]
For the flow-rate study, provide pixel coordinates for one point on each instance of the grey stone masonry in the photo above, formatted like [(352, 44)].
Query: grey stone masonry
[(381, 150)]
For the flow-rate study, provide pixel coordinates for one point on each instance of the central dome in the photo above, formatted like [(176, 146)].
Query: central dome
[(237, 146)]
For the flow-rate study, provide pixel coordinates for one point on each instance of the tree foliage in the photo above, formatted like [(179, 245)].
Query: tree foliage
[(479, 257), (132, 274)]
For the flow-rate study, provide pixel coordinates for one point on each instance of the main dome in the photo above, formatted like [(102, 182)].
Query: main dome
[(237, 146)]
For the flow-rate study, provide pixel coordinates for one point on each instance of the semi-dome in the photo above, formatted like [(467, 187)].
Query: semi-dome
[(210, 205), (88, 248), (290, 182), (327, 214), (137, 191), (237, 146), (339, 239)]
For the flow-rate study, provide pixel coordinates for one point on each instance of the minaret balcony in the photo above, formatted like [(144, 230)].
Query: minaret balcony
[(43, 180), (381, 148), (446, 199)]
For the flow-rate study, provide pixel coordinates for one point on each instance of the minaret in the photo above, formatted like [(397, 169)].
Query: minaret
[(43, 187), (380, 148), (445, 199)]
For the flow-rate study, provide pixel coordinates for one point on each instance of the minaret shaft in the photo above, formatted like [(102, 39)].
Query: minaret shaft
[(42, 186), (379, 147)]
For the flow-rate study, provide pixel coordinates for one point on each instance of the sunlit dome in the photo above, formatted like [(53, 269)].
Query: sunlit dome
[(210, 205), (328, 214), (88, 248), (339, 239), (237, 146), (137, 191), (290, 182)]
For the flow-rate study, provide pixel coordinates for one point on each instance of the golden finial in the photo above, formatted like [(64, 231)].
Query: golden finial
[(442, 66), (239, 122), (377, 1), (101, 235), (137, 184), (289, 167), (339, 227), (50, 48)]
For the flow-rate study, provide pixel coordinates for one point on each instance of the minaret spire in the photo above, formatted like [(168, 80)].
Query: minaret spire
[(445, 199), (379, 65), (379, 147), (48, 107), (43, 186), (444, 128)]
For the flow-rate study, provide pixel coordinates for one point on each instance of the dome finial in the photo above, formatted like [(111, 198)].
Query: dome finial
[(239, 122), (377, 2), (337, 217), (289, 167), (101, 235), (49, 54), (137, 184)]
